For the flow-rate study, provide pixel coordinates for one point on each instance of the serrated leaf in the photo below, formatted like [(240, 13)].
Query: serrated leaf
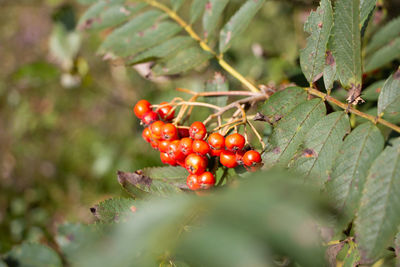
[(385, 35), (383, 56), (371, 93), (320, 147), (358, 151), (107, 14), (32, 255), (212, 14), (113, 210), (330, 74), (165, 49), (217, 84), (196, 9), (282, 102), (238, 23), (378, 217), (366, 7), (318, 25), (161, 181), (291, 130), (389, 98), (182, 61), (347, 42), (120, 38)]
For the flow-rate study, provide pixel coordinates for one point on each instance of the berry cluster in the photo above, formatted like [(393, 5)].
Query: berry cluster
[(186, 146)]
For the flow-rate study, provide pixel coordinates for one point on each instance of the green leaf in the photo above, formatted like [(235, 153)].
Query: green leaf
[(212, 14), (397, 247), (353, 256), (379, 213), (350, 170), (291, 130), (282, 102), (107, 14), (238, 23), (119, 40), (318, 25), (32, 255), (182, 61), (347, 42), (371, 93), (330, 74), (196, 9), (366, 7), (389, 98), (320, 147), (384, 36), (176, 4), (113, 210), (383, 56), (217, 84), (161, 181), (165, 49)]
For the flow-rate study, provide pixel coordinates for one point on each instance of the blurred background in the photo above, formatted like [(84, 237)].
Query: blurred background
[(66, 121)]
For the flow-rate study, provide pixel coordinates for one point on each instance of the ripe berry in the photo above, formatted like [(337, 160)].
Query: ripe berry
[(228, 159), (156, 130), (169, 132), (197, 130), (146, 134), (149, 117), (216, 141), (166, 159), (192, 182), (163, 145), (141, 108), (195, 164), (185, 145), (154, 143), (251, 158), (200, 147), (183, 132), (239, 156), (234, 142), (164, 112), (216, 152), (206, 180), (174, 151)]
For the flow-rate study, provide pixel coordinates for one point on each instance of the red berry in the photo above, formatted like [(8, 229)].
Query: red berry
[(206, 180), (156, 130), (228, 159), (239, 156), (163, 145), (166, 159), (183, 132), (200, 147), (169, 132), (234, 142), (174, 151), (185, 145), (216, 152), (149, 117), (216, 141), (165, 112), (154, 143), (141, 108), (192, 182), (195, 164), (197, 130), (146, 134), (251, 158)]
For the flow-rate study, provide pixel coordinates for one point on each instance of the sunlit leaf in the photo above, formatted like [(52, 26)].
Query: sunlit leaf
[(378, 217), (113, 210)]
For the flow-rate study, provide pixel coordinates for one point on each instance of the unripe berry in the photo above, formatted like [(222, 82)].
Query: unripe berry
[(195, 164), (234, 142), (228, 159), (197, 130), (141, 108)]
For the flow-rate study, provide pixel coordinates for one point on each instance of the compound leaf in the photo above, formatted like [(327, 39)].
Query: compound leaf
[(389, 98), (212, 14)]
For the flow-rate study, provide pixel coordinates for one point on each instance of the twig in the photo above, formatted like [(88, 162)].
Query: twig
[(224, 93)]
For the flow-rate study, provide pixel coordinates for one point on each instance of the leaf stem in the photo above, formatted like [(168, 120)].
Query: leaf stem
[(349, 108)]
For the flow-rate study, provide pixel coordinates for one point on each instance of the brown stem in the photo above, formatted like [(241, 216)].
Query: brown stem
[(226, 93)]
